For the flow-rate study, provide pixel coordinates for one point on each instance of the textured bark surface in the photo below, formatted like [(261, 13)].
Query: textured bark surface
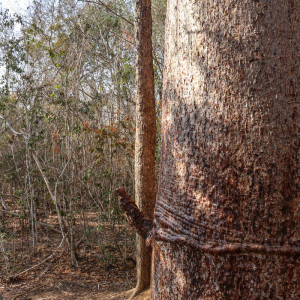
[(145, 133), (134, 215), (227, 215)]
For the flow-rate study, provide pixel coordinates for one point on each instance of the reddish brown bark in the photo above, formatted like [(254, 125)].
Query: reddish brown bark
[(145, 133), (134, 216)]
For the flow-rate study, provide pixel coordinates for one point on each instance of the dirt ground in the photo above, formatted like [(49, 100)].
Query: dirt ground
[(102, 271), (113, 286)]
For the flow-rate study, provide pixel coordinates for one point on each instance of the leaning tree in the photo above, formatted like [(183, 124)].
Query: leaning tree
[(227, 215)]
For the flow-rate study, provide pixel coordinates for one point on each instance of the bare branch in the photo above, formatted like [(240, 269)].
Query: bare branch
[(108, 8), (13, 130), (52, 195), (3, 203), (42, 262), (49, 226), (134, 216)]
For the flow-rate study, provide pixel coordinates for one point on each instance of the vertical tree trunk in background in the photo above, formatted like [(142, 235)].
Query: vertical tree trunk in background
[(145, 133), (227, 213)]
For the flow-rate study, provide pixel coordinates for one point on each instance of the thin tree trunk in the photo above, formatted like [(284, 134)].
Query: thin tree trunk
[(227, 213), (145, 133)]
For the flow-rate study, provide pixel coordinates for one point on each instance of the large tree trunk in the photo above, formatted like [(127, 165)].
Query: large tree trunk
[(145, 133), (227, 214)]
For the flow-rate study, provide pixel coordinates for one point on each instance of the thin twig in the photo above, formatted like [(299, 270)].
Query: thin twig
[(27, 292), (53, 198), (52, 195), (108, 8), (42, 262), (49, 265), (3, 203), (13, 130)]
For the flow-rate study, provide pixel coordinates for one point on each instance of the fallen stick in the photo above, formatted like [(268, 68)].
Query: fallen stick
[(27, 292), (42, 262)]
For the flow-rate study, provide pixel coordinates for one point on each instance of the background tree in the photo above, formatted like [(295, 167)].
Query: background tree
[(145, 134), (227, 213)]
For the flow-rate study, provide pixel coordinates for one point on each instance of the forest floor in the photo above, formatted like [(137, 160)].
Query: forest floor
[(102, 271)]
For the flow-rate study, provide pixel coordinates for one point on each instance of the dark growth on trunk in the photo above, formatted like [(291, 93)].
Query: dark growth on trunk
[(134, 216)]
